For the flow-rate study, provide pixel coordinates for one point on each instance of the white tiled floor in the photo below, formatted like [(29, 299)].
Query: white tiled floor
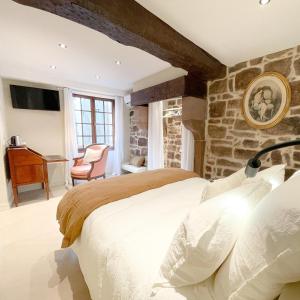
[(39, 195), (32, 264)]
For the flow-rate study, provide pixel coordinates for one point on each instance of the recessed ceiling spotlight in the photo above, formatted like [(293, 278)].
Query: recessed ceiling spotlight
[(118, 62), (61, 45), (264, 2), (52, 67)]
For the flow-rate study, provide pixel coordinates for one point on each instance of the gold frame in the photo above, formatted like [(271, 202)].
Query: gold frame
[(286, 107)]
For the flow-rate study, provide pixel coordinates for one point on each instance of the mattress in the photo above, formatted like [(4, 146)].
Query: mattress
[(123, 243)]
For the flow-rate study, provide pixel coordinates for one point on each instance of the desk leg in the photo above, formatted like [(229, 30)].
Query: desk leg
[(16, 196), (46, 185), (46, 181)]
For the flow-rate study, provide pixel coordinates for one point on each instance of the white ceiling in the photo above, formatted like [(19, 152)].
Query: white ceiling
[(232, 30), (29, 41)]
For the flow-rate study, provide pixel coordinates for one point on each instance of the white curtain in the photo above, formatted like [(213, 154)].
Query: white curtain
[(187, 151), (71, 147), (118, 153), (155, 136)]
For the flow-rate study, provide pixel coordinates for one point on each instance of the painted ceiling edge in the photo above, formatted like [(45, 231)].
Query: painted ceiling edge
[(130, 24)]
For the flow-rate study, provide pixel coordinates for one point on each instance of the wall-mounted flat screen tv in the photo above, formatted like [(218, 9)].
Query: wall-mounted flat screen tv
[(34, 98)]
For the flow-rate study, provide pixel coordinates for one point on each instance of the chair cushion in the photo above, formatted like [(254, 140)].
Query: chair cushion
[(91, 155), (80, 171)]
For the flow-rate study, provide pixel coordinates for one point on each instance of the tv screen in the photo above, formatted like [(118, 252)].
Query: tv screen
[(34, 98)]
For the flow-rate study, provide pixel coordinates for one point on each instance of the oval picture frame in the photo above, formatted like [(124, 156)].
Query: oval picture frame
[(266, 100)]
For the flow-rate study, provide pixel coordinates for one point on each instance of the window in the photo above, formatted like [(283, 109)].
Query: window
[(94, 121)]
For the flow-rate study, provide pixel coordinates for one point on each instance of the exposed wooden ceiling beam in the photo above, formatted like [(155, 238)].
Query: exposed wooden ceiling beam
[(131, 24), (185, 86)]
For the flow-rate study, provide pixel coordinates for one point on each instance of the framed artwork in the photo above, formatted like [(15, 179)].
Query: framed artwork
[(266, 100)]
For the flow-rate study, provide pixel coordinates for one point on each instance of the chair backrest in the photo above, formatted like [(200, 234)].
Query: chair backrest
[(99, 167)]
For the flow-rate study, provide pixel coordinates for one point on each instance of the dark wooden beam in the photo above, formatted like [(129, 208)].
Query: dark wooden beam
[(184, 86), (131, 24)]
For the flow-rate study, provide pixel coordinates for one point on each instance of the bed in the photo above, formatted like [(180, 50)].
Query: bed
[(121, 240), (122, 243)]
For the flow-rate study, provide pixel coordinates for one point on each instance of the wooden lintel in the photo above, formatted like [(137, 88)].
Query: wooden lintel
[(185, 86), (129, 23)]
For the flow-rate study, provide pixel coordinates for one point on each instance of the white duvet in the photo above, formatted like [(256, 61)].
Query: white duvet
[(123, 243)]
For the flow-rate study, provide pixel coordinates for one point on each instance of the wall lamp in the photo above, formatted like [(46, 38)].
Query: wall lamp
[(254, 163)]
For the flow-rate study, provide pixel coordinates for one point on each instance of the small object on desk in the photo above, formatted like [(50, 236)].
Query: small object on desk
[(28, 167)]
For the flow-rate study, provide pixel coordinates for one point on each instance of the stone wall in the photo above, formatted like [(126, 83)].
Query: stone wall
[(172, 136), (139, 131), (230, 140)]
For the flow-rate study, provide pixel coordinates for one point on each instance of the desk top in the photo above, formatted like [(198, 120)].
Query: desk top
[(54, 158)]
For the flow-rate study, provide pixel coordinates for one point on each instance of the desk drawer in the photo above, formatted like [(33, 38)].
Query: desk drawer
[(29, 174)]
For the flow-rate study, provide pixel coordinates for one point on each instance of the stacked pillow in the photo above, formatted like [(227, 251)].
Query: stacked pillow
[(273, 175), (207, 235), (267, 254)]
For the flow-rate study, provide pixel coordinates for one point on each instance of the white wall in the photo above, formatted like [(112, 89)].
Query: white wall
[(4, 202), (42, 131), (157, 78)]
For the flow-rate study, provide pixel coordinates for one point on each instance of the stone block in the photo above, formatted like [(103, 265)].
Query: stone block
[(142, 142), (237, 67), (282, 66), (256, 61), (221, 151), (230, 85), (217, 109), (245, 134), (228, 172), (215, 131), (244, 154), (288, 126), (218, 87), (243, 78), (295, 90), (227, 121), (268, 143), (241, 125), (278, 54), (276, 157), (288, 173), (296, 156), (214, 121), (297, 66), (250, 143), (234, 104), (228, 163)]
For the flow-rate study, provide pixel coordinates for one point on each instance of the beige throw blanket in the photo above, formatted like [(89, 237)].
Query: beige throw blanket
[(82, 200)]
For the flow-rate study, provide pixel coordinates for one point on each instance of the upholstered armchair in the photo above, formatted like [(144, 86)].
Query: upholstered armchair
[(91, 164)]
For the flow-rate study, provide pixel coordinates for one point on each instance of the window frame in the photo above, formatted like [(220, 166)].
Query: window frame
[(93, 119)]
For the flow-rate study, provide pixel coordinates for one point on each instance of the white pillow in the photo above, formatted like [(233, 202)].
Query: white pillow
[(207, 235), (267, 254), (91, 155), (223, 185), (273, 175)]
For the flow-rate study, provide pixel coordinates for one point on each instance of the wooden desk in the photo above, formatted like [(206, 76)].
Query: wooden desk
[(55, 159), (28, 167)]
